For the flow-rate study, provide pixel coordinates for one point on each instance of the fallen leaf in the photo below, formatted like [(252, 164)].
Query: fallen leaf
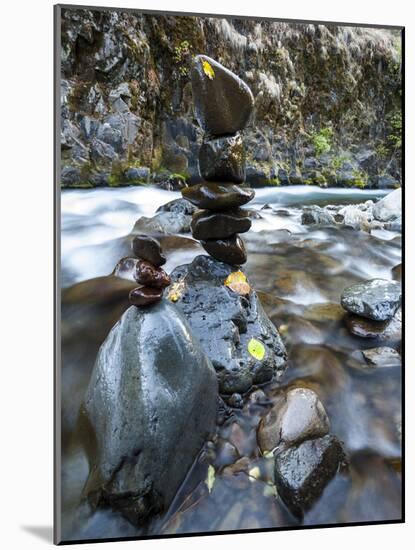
[(238, 283), (256, 349), (210, 479), (208, 70)]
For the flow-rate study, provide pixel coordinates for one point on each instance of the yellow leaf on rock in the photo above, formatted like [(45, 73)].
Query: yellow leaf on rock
[(208, 70), (238, 283), (210, 479), (256, 349), (175, 291)]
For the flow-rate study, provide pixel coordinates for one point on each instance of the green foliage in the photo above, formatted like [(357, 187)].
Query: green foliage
[(181, 54), (360, 179), (395, 135), (337, 162), (322, 140)]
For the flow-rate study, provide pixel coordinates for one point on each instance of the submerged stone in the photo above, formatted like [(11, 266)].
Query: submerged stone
[(382, 357), (302, 472), (147, 248), (299, 415), (219, 225), (223, 159), (223, 102), (230, 251), (225, 322), (214, 196), (145, 295), (383, 331), (147, 274), (377, 299), (149, 407)]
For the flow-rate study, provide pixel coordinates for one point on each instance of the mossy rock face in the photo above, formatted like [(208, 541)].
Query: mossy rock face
[(314, 110)]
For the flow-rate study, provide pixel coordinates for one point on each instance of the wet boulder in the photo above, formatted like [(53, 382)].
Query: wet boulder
[(377, 299), (233, 329), (302, 472), (297, 416), (166, 223), (178, 206), (150, 405), (315, 215), (223, 102), (389, 208)]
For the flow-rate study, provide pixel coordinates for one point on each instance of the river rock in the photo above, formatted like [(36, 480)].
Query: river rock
[(303, 471), (147, 274), (389, 208), (213, 196), (165, 223), (223, 102), (299, 415), (149, 249), (225, 322), (145, 295), (223, 159), (209, 225), (231, 251), (383, 331), (382, 357), (315, 215), (377, 299), (149, 407), (178, 206)]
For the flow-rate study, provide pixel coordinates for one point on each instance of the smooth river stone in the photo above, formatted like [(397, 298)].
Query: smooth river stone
[(223, 159), (149, 249), (147, 274), (223, 102), (378, 299), (145, 296), (214, 196), (219, 225), (230, 251)]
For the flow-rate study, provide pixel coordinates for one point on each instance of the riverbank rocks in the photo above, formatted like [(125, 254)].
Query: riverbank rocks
[(223, 102), (147, 271), (315, 215), (297, 416), (378, 299), (149, 407), (233, 329), (223, 159), (224, 106), (303, 471)]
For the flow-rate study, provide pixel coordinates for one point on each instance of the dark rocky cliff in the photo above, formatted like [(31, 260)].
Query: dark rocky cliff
[(327, 99)]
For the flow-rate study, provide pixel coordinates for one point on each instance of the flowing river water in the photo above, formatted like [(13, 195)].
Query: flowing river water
[(299, 273)]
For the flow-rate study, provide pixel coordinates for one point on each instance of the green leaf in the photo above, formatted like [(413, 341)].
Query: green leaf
[(256, 349)]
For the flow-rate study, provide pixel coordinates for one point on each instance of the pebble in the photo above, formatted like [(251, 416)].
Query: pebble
[(145, 295), (147, 274), (148, 248), (208, 225), (230, 251), (377, 299), (214, 196)]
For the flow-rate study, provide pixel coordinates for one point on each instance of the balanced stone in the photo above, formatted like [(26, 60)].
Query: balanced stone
[(219, 225), (214, 196), (223, 159), (149, 249), (147, 274), (223, 102), (230, 251), (378, 299), (145, 295)]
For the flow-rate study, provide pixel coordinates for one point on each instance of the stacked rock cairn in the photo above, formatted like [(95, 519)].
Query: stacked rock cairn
[(223, 108), (148, 272)]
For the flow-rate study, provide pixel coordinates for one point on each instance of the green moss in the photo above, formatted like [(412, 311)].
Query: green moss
[(338, 161), (275, 181), (360, 179), (322, 140)]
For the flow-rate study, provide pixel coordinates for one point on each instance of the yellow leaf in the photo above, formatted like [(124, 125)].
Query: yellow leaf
[(256, 349), (270, 490), (208, 70), (254, 473), (210, 480), (175, 291), (238, 283)]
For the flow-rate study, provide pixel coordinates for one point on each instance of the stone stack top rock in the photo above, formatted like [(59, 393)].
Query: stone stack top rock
[(223, 102)]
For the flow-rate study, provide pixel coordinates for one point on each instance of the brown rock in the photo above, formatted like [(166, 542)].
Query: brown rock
[(145, 296), (147, 274)]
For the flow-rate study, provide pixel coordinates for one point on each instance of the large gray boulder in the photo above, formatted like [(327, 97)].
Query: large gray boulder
[(149, 407), (226, 322), (377, 299)]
